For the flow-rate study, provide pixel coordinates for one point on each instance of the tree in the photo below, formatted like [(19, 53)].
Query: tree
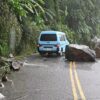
[(27, 12), (83, 18)]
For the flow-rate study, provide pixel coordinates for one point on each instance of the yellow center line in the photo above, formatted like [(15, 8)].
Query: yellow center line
[(78, 83), (73, 83)]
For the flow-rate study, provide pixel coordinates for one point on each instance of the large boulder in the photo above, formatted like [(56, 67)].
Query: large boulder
[(95, 42), (75, 52)]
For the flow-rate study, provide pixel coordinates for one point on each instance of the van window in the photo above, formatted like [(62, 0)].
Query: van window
[(48, 37), (62, 38)]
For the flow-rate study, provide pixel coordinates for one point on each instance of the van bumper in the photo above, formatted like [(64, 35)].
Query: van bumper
[(51, 51)]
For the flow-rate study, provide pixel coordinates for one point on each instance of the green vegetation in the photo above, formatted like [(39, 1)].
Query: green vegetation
[(21, 21), (4, 68)]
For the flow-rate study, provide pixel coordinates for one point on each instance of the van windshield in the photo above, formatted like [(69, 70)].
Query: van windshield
[(48, 37)]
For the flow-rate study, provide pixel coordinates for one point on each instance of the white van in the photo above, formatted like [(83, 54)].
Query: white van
[(52, 42)]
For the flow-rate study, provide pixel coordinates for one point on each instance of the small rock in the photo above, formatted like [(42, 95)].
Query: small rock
[(4, 79), (11, 55), (16, 65), (1, 85)]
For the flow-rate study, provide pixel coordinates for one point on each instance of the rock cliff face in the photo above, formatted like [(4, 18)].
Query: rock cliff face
[(96, 46), (77, 52)]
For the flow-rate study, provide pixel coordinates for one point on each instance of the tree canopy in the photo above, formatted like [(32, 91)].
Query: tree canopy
[(79, 19)]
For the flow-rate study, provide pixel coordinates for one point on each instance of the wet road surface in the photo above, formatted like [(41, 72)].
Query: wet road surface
[(53, 78)]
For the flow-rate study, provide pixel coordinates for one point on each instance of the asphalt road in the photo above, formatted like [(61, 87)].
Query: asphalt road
[(54, 78)]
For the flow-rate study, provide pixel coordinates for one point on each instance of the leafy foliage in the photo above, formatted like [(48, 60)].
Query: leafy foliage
[(79, 19), (83, 18)]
